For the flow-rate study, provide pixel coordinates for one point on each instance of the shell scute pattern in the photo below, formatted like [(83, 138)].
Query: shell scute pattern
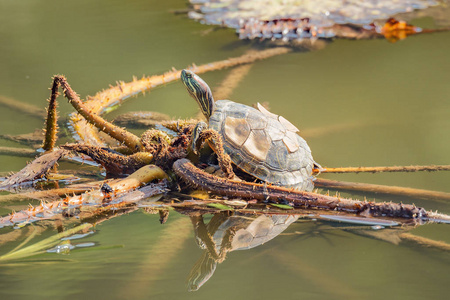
[(237, 131), (278, 159), (257, 121), (276, 131), (216, 118), (236, 157), (262, 172), (263, 144), (257, 144), (295, 161)]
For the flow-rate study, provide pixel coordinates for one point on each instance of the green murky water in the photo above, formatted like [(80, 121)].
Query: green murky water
[(375, 103)]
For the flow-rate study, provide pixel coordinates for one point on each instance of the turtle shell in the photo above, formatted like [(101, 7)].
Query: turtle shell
[(263, 144), (252, 231)]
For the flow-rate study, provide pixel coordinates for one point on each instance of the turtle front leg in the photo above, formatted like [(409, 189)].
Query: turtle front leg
[(202, 134)]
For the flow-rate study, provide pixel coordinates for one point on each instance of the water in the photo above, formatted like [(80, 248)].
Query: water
[(387, 102)]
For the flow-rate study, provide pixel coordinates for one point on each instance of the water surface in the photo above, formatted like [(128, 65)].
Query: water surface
[(375, 103)]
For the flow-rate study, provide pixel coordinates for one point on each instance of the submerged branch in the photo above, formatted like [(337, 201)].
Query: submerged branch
[(32, 140)]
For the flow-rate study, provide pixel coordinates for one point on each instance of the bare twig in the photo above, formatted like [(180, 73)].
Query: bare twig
[(51, 125), (429, 168)]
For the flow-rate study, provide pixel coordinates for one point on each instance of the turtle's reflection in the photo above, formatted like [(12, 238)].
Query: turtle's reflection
[(225, 233)]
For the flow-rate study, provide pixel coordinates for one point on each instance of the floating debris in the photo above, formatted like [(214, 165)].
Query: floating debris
[(297, 20)]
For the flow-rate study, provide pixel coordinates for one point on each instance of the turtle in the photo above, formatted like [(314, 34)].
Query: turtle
[(258, 142), (225, 233)]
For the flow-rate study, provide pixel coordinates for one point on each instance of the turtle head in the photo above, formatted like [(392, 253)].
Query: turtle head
[(199, 90)]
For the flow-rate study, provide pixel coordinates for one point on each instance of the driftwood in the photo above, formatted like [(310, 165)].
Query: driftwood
[(112, 193)]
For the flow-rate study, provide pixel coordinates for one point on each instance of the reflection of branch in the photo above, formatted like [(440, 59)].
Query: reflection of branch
[(206, 236), (312, 273), (425, 241), (381, 189), (22, 107), (226, 87), (12, 151), (159, 256)]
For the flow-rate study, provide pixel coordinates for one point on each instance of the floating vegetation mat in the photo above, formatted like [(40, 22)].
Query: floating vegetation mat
[(293, 19)]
